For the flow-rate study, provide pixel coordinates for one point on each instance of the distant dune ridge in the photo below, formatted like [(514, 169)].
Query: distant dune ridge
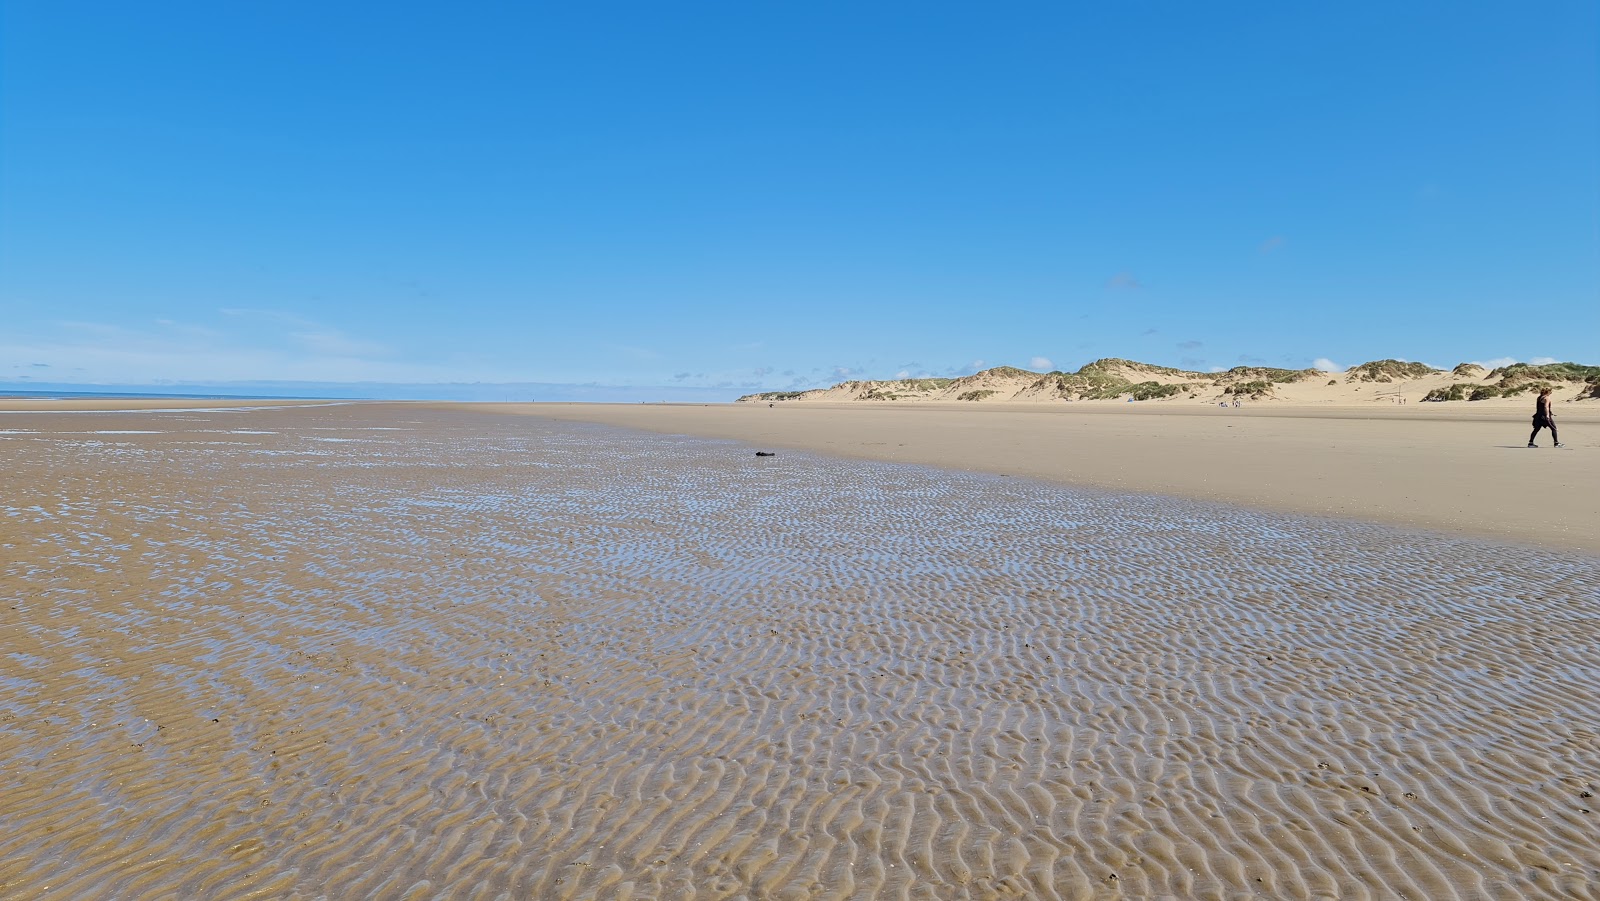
[(1380, 381)]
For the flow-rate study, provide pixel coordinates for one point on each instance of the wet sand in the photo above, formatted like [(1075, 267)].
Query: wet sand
[(402, 652), (1463, 469)]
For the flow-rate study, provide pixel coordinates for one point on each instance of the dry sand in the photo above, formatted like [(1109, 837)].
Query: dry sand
[(392, 651), (1451, 467)]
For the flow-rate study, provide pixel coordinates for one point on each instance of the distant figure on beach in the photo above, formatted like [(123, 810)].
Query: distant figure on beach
[(1544, 417)]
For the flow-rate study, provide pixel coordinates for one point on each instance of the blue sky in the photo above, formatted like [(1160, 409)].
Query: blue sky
[(696, 201)]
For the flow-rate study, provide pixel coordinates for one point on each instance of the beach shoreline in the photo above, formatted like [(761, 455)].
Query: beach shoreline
[(1461, 469), (1450, 468)]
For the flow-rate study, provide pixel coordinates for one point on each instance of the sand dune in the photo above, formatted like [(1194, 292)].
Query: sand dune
[(1380, 382), (456, 654)]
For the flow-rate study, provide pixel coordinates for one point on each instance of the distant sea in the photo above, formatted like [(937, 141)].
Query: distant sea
[(515, 392), (68, 395)]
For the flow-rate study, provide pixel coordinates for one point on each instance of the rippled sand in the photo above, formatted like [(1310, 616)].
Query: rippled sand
[(379, 651)]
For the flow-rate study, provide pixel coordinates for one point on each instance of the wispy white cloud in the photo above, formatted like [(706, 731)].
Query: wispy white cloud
[(337, 344), (1041, 363), (958, 371), (634, 352), (190, 329), (1326, 365), (263, 346), (1498, 362), (281, 317)]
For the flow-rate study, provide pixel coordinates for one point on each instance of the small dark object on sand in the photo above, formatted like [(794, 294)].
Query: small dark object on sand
[(766, 453)]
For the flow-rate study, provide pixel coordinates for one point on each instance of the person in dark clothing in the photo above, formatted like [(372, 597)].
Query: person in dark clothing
[(1544, 417)]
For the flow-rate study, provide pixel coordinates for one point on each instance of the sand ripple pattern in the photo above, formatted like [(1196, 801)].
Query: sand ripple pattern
[(456, 656)]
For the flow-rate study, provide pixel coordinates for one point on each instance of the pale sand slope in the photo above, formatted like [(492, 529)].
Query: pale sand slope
[(1432, 466)]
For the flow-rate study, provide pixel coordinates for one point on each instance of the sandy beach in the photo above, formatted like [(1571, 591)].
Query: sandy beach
[(427, 651), (1458, 468)]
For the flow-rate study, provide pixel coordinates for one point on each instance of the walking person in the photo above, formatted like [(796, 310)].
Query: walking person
[(1544, 417)]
